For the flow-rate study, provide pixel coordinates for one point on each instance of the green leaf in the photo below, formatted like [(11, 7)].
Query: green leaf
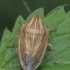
[(39, 12), (19, 22), (60, 39)]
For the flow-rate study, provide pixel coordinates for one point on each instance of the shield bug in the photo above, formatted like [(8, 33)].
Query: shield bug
[(33, 42)]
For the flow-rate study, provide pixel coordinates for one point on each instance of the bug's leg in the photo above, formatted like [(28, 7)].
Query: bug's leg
[(50, 47), (17, 51), (21, 69), (12, 45), (51, 30), (21, 23)]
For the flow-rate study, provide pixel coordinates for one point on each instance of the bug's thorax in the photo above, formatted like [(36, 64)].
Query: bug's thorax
[(34, 32)]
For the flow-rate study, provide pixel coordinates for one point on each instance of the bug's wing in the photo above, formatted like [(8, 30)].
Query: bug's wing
[(41, 52), (31, 63), (22, 50)]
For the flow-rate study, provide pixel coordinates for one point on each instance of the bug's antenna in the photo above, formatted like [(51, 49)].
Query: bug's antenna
[(56, 9), (26, 6)]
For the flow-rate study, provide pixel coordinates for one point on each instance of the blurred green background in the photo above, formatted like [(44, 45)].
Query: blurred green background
[(11, 9)]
